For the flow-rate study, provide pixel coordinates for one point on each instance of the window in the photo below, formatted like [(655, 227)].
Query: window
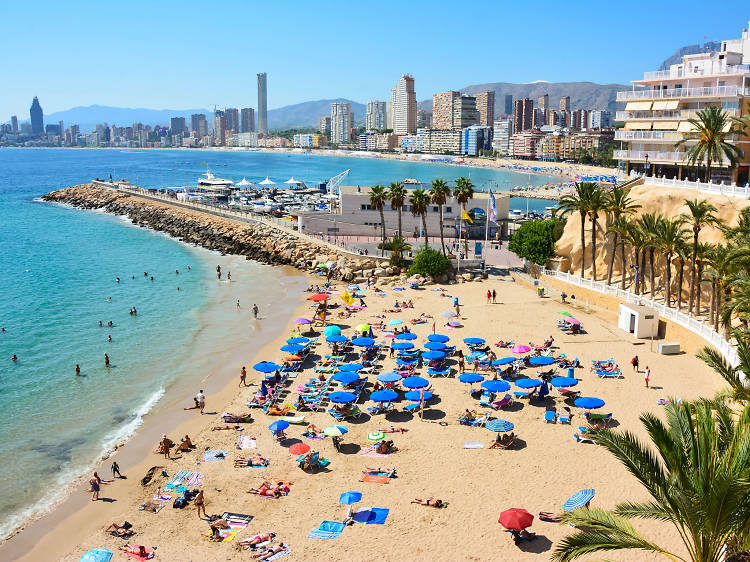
[(364, 207), (449, 210), (435, 209)]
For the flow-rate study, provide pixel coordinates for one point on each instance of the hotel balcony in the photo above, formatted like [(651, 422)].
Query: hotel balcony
[(676, 114), (707, 92), (657, 157), (696, 72), (648, 136)]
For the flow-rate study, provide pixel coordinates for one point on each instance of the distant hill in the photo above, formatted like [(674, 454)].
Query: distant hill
[(690, 50), (583, 95), (307, 114)]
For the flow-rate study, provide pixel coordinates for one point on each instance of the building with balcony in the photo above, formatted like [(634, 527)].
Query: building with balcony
[(475, 139), (501, 136), (524, 143), (659, 106), (442, 141)]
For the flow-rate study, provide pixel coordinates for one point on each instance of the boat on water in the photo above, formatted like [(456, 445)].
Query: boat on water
[(210, 181)]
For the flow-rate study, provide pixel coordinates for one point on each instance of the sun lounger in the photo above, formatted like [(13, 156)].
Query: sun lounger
[(524, 393), (610, 374), (506, 445), (411, 407), (315, 461), (569, 393), (380, 409), (439, 372), (550, 416), (485, 399), (564, 417), (582, 436), (504, 401), (598, 418)]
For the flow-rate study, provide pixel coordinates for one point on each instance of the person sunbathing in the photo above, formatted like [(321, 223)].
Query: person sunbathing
[(390, 472), (185, 446), (225, 427), (266, 489), (429, 502), (550, 517), (386, 448), (139, 550), (503, 442), (276, 411), (215, 527), (119, 530), (257, 460), (520, 536), (393, 429), (467, 417), (609, 369), (275, 549), (257, 539)]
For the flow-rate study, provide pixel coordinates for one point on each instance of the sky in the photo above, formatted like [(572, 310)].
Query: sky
[(188, 55)]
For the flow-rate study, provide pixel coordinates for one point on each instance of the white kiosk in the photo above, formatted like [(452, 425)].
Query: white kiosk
[(641, 321)]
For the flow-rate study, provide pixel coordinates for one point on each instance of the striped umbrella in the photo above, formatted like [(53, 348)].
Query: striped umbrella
[(500, 426), (335, 430), (375, 436), (579, 499)]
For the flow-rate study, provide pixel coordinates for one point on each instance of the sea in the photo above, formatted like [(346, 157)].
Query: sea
[(58, 279)]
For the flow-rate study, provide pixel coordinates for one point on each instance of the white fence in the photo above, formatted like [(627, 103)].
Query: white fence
[(715, 188), (697, 327)]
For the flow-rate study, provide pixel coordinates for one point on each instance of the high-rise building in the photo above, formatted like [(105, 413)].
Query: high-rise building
[(442, 109), (523, 114), (565, 103), (341, 121), (14, 124), (37, 117), (177, 126), (220, 127), (233, 119), (198, 124), (404, 106), (600, 119), (262, 103), (424, 119), (543, 102), (508, 104), (475, 139), (465, 112), (501, 136), (486, 108), (538, 118), (247, 120), (580, 119), (324, 125), (375, 117)]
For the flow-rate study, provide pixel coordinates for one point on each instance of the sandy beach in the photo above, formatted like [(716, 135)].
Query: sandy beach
[(546, 467)]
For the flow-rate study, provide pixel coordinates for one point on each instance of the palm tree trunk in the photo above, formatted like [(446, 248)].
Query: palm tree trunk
[(643, 271), (583, 242), (399, 223), (424, 225), (651, 272), (382, 226), (718, 308), (593, 248), (713, 302), (612, 259), (679, 284), (637, 280), (624, 269), (708, 167), (692, 270), (698, 290), (442, 240), (667, 289)]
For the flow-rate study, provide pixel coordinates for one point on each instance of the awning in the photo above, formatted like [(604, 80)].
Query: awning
[(727, 127), (639, 125), (686, 127), (666, 104), (638, 106), (665, 125)]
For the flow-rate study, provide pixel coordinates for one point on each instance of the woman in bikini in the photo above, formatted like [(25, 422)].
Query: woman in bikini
[(429, 502), (200, 503), (257, 539)]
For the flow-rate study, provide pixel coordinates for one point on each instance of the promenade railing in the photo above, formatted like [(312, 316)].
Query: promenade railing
[(730, 190)]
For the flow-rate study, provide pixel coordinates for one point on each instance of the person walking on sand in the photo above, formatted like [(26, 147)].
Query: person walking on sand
[(494, 296), (255, 311), (200, 399), (243, 375), (95, 486), (200, 503), (238, 304), (229, 275), (634, 362), (106, 361), (116, 470), (489, 296), (647, 375)]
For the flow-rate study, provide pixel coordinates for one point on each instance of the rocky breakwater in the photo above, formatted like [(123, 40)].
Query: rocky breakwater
[(260, 242)]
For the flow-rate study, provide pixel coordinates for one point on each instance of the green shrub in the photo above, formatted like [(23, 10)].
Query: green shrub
[(535, 241), (429, 262)]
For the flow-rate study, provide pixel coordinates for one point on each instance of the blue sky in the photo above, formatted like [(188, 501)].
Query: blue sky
[(181, 55)]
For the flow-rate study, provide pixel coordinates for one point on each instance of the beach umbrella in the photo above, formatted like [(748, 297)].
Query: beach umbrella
[(292, 348), (299, 448), (470, 378), (341, 397), (266, 367), (298, 341), (97, 555), (362, 328), (496, 386), (406, 336), (515, 519), (521, 349), (415, 382), (345, 378), (589, 402), (375, 436), (434, 345), (528, 383), (573, 321), (336, 339), (416, 395), (389, 377), (303, 321), (384, 396), (395, 322), (402, 345), (351, 367), (430, 355), (363, 342), (540, 361), (579, 499), (348, 498), (279, 425), (332, 330), (335, 430), (448, 314), (474, 341), (563, 382), (438, 338), (267, 181), (503, 361), (564, 313), (500, 426), (319, 297)]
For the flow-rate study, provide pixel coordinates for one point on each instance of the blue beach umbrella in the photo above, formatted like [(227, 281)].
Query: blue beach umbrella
[(292, 348), (279, 425), (395, 322), (503, 361), (266, 367), (474, 341), (528, 383), (335, 430), (406, 336), (563, 382), (440, 338), (430, 355), (389, 377), (470, 378), (351, 367), (384, 396), (579, 499), (345, 378), (415, 382), (363, 342), (348, 498), (416, 395), (97, 555), (298, 341), (332, 330), (496, 386), (500, 426), (589, 402), (541, 361), (399, 345), (434, 345), (337, 339), (342, 397)]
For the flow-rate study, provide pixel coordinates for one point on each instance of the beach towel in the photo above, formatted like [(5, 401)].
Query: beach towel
[(371, 516), (473, 445), (375, 478), (194, 481), (135, 555), (227, 535), (162, 497), (327, 530), (370, 452), (246, 442), (214, 455)]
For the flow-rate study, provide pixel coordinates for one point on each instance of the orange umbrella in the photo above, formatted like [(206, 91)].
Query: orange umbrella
[(319, 297), (299, 448)]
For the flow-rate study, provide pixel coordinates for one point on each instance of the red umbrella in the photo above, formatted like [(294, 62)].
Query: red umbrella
[(301, 449), (515, 519), (319, 297)]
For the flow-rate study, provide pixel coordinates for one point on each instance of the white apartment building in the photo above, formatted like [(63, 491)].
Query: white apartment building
[(403, 114), (599, 119), (501, 138), (341, 119), (375, 117), (656, 117)]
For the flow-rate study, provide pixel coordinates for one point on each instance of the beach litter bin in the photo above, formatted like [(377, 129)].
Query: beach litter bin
[(669, 348)]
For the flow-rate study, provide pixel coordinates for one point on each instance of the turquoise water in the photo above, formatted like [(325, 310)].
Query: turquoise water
[(58, 280)]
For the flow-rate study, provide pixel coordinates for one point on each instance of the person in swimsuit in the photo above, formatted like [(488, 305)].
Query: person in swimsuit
[(215, 526), (14, 358), (94, 481), (200, 503), (243, 374), (257, 539), (78, 370), (116, 470), (119, 530), (429, 502), (106, 361), (281, 547)]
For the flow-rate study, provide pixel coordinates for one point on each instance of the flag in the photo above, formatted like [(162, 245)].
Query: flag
[(493, 209), (465, 216), (347, 298)]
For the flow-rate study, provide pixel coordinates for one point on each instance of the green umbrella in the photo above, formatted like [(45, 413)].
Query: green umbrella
[(565, 314), (335, 430), (362, 328), (375, 436)]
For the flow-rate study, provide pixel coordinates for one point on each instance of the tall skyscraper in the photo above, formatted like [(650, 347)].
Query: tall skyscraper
[(37, 117), (465, 112), (341, 120), (324, 124), (424, 119), (375, 118), (404, 106), (523, 111), (543, 102), (486, 108), (198, 124), (177, 126), (565, 103), (262, 103), (508, 104), (442, 109), (14, 123), (247, 120), (233, 119), (220, 127)]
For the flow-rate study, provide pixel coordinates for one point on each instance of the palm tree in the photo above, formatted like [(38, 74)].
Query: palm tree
[(720, 264), (737, 377), (700, 214), (399, 246), (736, 295), (637, 241), (620, 230), (597, 202), (439, 193), (463, 193), (378, 198), (710, 130), (650, 224), (618, 204), (704, 251), (397, 196), (671, 236), (683, 251), (420, 202), (578, 202), (695, 469)]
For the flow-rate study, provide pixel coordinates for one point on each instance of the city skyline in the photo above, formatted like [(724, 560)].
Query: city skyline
[(125, 77)]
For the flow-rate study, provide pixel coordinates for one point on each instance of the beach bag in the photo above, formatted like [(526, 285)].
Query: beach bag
[(127, 525), (179, 503)]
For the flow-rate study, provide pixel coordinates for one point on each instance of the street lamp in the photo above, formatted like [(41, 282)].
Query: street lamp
[(647, 165), (637, 268)]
